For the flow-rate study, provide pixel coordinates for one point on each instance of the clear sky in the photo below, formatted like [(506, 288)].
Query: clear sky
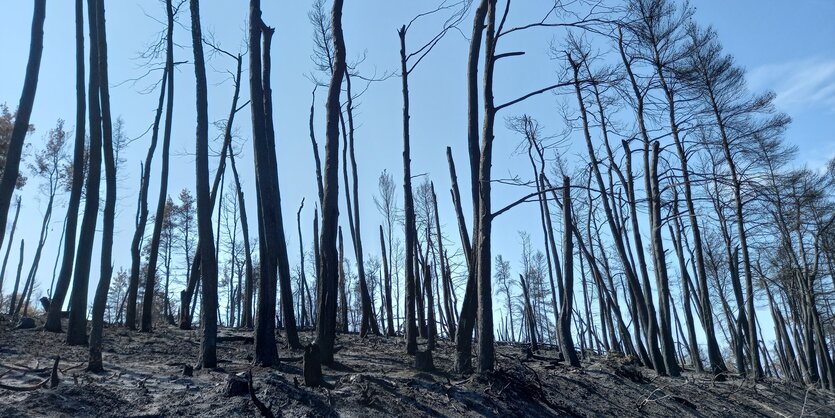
[(785, 46)]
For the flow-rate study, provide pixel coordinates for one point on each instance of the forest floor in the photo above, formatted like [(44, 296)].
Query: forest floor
[(372, 377)]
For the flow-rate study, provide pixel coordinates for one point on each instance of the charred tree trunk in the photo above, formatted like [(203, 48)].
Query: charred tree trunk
[(302, 278), (662, 280), (53, 320), (77, 326), (369, 322), (8, 250), (109, 216), (329, 268), (408, 207), (529, 318), (272, 203), (387, 283), (445, 279), (676, 235), (8, 180), (142, 213), (467, 320), (208, 264), (648, 317), (343, 296), (150, 278), (567, 305), (249, 281), (13, 297)]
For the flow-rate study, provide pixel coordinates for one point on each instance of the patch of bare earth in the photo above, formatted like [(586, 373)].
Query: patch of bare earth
[(372, 377)]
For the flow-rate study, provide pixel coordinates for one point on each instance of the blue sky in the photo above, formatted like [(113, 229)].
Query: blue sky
[(785, 46)]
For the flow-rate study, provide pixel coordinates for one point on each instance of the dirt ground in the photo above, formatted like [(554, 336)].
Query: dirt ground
[(373, 377)]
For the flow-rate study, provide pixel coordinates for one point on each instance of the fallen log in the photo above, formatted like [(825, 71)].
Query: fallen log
[(52, 380)]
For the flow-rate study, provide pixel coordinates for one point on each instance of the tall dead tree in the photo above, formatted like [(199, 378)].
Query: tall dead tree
[(9, 249), (159, 217), (109, 215), (567, 303), (646, 305), (369, 322), (11, 168), (53, 320), (343, 295), (411, 330), (247, 321), (272, 247), (406, 67), (13, 298), (466, 322), (273, 203), (208, 264), (142, 213), (77, 326), (328, 269)]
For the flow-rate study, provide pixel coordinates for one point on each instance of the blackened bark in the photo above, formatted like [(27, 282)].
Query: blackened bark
[(444, 278), (248, 285), (302, 276), (208, 265), (329, 268), (530, 321), (272, 203), (24, 110), (466, 322), (567, 305), (77, 326), (109, 215), (53, 320), (13, 298), (343, 296), (387, 283), (8, 250), (142, 213), (159, 217), (408, 207), (265, 346), (484, 220), (660, 261)]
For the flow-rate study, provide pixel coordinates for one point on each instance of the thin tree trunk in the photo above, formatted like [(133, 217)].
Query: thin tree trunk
[(529, 319), (272, 204), (387, 284), (53, 320), (77, 326), (109, 216), (567, 305), (328, 270), (208, 265), (343, 296), (408, 207), (8, 180), (662, 280), (369, 322), (450, 315), (248, 286), (13, 298), (151, 273), (466, 323), (10, 241)]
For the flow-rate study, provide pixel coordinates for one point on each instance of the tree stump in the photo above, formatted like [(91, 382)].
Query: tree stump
[(423, 361), (45, 302), (236, 386), (26, 323), (312, 365)]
